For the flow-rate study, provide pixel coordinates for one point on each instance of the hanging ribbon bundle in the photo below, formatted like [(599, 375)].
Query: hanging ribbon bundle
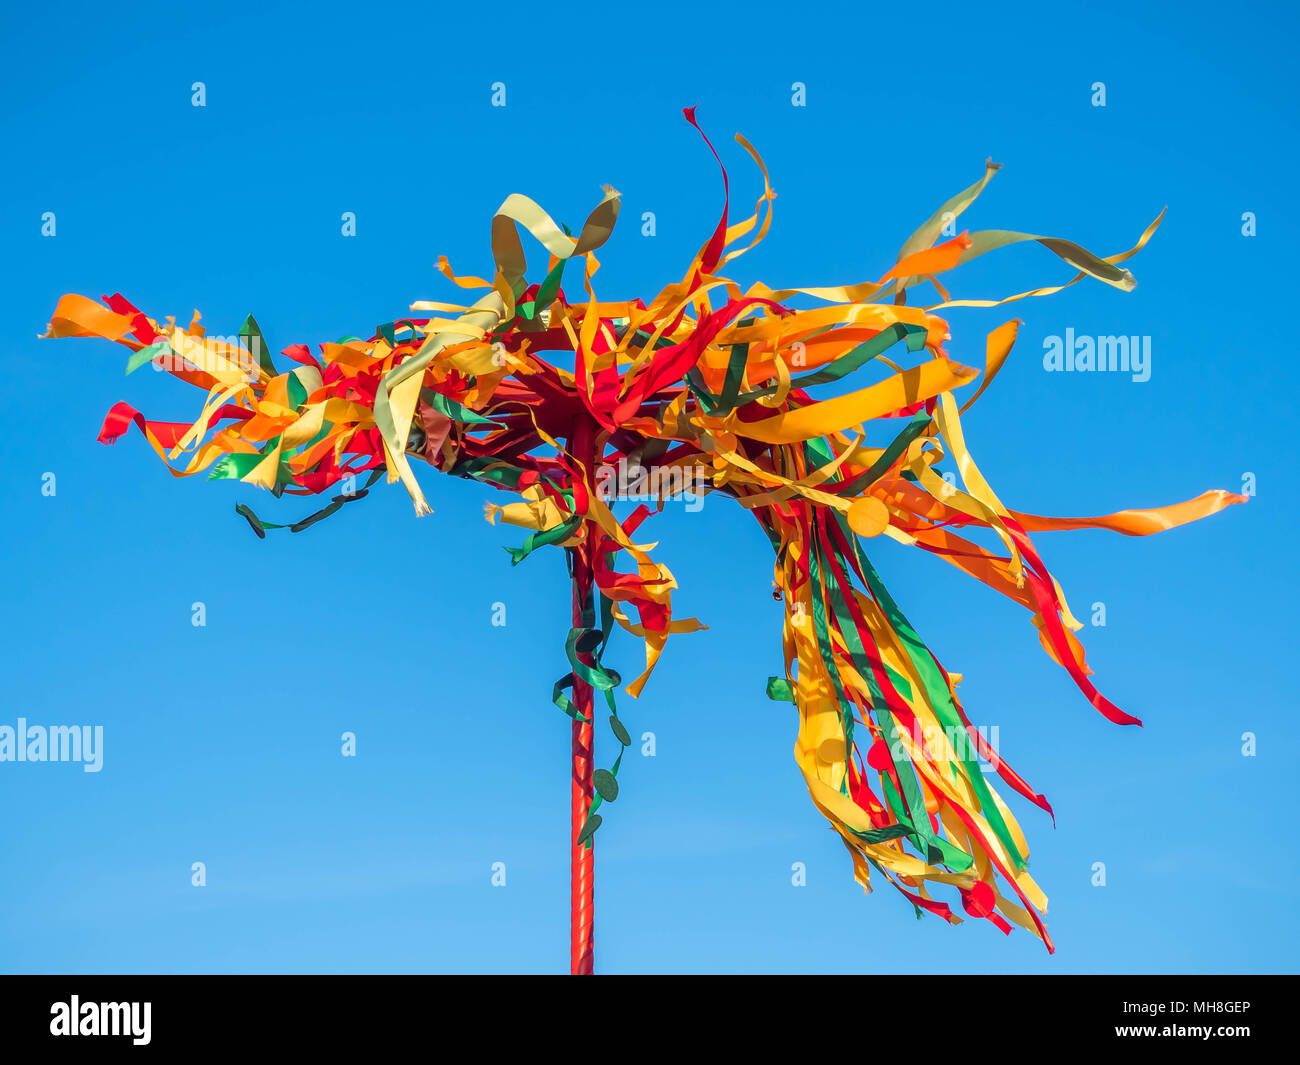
[(709, 388)]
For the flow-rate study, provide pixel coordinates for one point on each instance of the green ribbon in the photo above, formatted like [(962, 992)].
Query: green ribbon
[(556, 534), (940, 697), (251, 334), (259, 526)]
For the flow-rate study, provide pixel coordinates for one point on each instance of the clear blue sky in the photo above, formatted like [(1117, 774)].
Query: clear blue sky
[(222, 743)]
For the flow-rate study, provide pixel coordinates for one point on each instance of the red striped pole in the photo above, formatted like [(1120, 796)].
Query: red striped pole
[(582, 858)]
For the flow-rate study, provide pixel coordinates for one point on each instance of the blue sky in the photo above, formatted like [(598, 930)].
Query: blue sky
[(222, 742)]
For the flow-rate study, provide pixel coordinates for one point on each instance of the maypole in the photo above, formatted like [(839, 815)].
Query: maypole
[(700, 377), (582, 858)]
